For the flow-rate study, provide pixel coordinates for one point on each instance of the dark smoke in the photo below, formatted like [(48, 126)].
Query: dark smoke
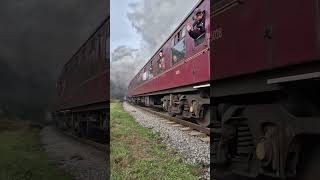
[(36, 39)]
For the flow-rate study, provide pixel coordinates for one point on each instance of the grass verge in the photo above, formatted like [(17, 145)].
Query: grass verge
[(137, 152), (22, 156)]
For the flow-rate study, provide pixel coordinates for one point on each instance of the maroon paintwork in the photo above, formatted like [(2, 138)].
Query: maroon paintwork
[(194, 68), (91, 91), (244, 46), (83, 80), (265, 68)]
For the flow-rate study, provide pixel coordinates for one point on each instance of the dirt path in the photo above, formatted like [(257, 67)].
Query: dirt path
[(80, 160)]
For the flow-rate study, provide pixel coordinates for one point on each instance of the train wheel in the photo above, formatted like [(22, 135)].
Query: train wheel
[(205, 121)]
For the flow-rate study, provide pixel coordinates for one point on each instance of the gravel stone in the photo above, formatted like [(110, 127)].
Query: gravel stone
[(80, 160), (191, 148)]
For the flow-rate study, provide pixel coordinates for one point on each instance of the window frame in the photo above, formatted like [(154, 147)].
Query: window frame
[(160, 70), (203, 37), (178, 37), (157, 59), (150, 73)]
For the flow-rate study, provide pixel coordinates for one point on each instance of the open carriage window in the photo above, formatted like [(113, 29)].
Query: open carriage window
[(197, 30), (199, 40), (150, 71), (178, 51), (161, 62), (144, 75)]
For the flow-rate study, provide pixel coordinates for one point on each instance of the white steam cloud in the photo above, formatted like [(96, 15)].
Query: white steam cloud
[(154, 21)]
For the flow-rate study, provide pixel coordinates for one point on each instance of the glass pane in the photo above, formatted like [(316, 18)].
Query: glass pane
[(144, 76), (178, 52), (172, 42), (150, 71), (199, 40), (183, 32), (161, 65)]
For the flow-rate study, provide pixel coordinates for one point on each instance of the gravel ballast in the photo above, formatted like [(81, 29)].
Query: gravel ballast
[(80, 160), (191, 148)]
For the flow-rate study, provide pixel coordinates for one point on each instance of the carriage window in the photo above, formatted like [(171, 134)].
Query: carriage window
[(178, 37), (172, 41), (150, 71), (197, 29), (161, 62), (161, 66), (144, 75), (199, 40), (183, 32), (178, 51)]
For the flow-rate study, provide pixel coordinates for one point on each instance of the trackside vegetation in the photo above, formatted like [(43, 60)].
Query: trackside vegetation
[(137, 152), (22, 156)]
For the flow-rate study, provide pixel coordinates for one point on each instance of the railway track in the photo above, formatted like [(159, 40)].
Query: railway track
[(193, 129), (98, 146)]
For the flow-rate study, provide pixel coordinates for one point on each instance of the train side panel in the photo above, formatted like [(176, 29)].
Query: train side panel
[(295, 37), (83, 79), (82, 100), (266, 66), (235, 26), (194, 68), (85, 94), (255, 36)]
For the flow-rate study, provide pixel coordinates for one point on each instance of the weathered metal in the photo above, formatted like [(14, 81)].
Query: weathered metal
[(82, 100)]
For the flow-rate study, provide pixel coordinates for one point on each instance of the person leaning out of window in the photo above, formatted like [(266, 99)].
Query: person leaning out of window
[(198, 27), (161, 61)]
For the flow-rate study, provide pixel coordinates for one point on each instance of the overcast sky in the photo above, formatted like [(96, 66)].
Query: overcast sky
[(138, 28), (122, 32), (36, 38)]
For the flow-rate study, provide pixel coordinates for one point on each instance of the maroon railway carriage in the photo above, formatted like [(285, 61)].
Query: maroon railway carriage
[(82, 88), (181, 85), (265, 70)]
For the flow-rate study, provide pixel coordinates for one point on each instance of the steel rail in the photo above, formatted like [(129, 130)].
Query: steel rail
[(177, 120)]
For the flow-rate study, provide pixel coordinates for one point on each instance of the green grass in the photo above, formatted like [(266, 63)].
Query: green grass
[(22, 156), (137, 152)]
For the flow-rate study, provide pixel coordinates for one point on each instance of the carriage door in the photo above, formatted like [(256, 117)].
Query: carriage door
[(199, 49), (294, 34), (240, 30)]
